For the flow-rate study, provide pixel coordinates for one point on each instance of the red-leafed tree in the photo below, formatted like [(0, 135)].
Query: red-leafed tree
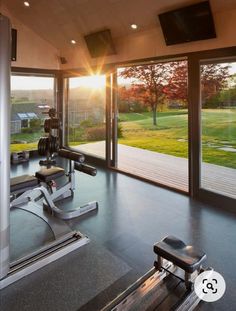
[(149, 84), (176, 89), (214, 78), (152, 84)]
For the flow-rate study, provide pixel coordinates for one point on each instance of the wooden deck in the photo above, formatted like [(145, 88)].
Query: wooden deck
[(166, 169)]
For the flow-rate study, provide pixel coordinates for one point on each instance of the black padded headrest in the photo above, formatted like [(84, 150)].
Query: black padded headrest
[(87, 169)]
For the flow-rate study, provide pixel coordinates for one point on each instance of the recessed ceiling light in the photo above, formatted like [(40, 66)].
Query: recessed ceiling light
[(73, 42), (134, 26), (26, 3)]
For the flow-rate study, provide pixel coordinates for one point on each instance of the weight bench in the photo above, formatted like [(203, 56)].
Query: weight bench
[(43, 183), (22, 183), (183, 256), (48, 174)]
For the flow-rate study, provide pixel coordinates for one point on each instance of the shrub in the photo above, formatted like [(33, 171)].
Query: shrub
[(76, 134), (138, 107), (119, 131), (35, 124), (27, 130), (95, 133), (123, 106), (87, 123)]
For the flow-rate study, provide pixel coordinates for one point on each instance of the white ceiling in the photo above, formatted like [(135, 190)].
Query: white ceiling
[(59, 21)]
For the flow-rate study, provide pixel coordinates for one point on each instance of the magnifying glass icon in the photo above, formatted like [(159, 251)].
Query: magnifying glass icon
[(210, 286)]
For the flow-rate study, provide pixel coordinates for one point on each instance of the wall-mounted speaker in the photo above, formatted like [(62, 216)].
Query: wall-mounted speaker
[(62, 60), (13, 44)]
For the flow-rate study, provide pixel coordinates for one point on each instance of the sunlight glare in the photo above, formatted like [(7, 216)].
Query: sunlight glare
[(92, 82)]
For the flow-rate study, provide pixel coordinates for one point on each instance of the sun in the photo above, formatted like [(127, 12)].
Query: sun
[(93, 82)]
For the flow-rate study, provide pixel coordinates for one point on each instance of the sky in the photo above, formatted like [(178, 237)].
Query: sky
[(94, 81), (46, 83), (31, 83)]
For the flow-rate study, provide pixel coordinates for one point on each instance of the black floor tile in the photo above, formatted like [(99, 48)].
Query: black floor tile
[(132, 215)]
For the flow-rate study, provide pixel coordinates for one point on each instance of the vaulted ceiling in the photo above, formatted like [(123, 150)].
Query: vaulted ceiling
[(59, 21)]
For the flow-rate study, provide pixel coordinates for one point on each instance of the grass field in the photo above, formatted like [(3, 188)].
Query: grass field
[(25, 141), (170, 136)]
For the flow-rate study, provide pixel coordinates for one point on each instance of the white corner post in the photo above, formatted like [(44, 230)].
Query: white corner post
[(5, 68)]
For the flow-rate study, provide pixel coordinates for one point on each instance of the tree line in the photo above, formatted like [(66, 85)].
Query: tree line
[(149, 86)]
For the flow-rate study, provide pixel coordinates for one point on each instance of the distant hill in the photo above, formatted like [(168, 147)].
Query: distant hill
[(37, 96), (47, 96), (86, 93)]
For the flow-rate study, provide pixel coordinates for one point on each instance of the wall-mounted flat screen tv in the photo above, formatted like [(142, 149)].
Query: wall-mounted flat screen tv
[(190, 23), (100, 43)]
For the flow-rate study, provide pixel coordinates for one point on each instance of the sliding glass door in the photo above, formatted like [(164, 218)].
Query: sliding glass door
[(169, 122), (153, 122), (218, 128), (85, 103)]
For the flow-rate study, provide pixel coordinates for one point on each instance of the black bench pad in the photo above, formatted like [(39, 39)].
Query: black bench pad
[(184, 256), (48, 174), (21, 182)]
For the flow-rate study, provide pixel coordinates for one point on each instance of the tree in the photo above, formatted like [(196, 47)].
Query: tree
[(152, 84), (148, 84), (176, 89), (214, 78)]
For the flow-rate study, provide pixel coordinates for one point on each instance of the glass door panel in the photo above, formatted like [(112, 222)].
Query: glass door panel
[(153, 122), (86, 115), (218, 128), (31, 97)]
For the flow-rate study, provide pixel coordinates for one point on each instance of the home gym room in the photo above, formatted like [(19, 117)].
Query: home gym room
[(117, 155)]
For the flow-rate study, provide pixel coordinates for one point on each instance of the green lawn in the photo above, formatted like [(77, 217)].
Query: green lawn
[(22, 147), (170, 135), (25, 141)]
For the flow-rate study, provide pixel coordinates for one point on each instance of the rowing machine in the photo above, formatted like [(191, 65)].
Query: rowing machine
[(164, 287)]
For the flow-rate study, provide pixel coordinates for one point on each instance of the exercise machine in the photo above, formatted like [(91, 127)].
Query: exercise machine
[(169, 284), (45, 183), (37, 195), (49, 145), (66, 240)]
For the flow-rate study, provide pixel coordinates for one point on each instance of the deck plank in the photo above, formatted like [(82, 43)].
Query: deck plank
[(166, 169)]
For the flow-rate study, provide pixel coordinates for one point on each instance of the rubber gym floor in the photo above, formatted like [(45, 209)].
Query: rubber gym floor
[(132, 216)]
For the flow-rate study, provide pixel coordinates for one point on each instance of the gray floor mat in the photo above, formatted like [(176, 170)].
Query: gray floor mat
[(67, 284)]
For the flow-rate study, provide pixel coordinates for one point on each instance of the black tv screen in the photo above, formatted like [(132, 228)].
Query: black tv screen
[(13, 44), (100, 43), (191, 23)]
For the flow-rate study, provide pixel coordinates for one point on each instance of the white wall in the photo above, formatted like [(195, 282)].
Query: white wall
[(151, 44), (32, 50)]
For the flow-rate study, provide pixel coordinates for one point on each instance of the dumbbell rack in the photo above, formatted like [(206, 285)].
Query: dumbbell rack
[(48, 145)]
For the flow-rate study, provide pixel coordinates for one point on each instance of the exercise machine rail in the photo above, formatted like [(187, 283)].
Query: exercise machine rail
[(150, 291)]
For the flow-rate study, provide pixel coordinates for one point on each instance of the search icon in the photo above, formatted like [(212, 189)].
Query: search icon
[(209, 286)]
